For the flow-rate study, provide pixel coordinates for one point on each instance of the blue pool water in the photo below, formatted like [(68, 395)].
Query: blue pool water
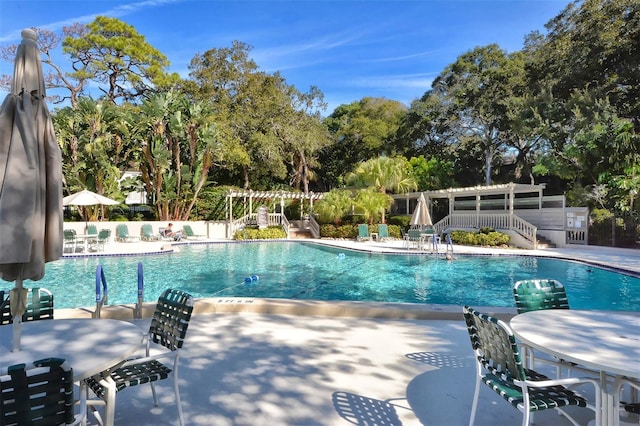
[(296, 270)]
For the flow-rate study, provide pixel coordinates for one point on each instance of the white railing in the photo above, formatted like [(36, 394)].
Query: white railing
[(496, 221), (314, 227), (285, 224)]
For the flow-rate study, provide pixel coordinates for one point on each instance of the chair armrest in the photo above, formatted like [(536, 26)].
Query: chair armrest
[(138, 360)]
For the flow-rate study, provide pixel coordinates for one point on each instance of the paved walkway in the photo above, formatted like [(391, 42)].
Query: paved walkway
[(272, 369)]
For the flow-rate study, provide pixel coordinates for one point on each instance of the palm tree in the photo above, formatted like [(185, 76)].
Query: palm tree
[(372, 204), (334, 206), (384, 174)]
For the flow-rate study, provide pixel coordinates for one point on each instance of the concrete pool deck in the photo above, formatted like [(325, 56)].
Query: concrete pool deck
[(266, 367)]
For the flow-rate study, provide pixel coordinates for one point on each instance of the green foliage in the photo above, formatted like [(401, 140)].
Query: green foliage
[(488, 238), (347, 231), (270, 233), (433, 174), (401, 221), (350, 231), (114, 54), (360, 131), (334, 206), (600, 215), (371, 204)]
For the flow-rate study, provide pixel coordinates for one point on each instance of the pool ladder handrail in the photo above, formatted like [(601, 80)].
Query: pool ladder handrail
[(102, 291), (101, 284), (137, 311)]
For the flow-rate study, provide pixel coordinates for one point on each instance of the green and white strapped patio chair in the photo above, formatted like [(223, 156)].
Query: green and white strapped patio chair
[(39, 306), (413, 239), (533, 295), (39, 393), (499, 366), (630, 405), (165, 339), (537, 294), (70, 243)]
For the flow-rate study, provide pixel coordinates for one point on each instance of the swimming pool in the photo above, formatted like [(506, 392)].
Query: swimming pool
[(308, 271)]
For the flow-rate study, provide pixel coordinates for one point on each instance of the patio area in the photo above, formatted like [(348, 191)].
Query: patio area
[(269, 368), (261, 369)]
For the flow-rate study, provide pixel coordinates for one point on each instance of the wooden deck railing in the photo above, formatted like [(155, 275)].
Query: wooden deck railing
[(496, 221)]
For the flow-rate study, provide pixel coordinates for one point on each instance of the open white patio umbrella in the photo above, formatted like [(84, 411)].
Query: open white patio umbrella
[(87, 198), (30, 180), (421, 216)]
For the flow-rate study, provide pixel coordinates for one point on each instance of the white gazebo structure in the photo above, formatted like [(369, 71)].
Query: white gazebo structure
[(269, 216), (517, 209)]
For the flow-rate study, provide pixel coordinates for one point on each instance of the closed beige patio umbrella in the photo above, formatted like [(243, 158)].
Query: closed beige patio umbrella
[(30, 179), (421, 217)]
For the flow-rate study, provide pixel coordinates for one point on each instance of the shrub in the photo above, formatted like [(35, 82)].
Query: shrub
[(270, 233), (401, 221), (342, 231), (476, 238)]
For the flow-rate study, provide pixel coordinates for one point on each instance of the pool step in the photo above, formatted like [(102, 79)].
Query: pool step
[(297, 232), (544, 243)]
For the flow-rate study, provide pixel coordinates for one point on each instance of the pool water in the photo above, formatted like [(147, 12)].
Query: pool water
[(299, 270)]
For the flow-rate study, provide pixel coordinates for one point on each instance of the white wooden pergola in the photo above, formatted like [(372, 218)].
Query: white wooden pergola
[(250, 197)]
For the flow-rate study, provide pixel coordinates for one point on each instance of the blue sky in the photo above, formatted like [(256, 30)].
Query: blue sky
[(348, 49)]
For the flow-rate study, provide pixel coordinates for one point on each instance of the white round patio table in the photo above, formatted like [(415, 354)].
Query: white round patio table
[(602, 341), (88, 345)]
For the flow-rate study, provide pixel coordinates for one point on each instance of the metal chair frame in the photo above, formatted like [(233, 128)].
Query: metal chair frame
[(166, 332), (499, 366)]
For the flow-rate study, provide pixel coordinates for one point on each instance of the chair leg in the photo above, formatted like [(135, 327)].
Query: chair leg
[(178, 401), (153, 391), (110, 401), (474, 406)]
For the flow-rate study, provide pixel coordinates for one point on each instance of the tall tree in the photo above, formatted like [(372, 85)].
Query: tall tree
[(270, 130), (472, 88), (178, 145), (361, 130), (116, 56), (96, 147)]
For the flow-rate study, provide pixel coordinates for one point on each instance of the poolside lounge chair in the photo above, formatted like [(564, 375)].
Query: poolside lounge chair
[(39, 306), (383, 232), (39, 393), (122, 234), (188, 233), (363, 232), (167, 331), (499, 366), (146, 233)]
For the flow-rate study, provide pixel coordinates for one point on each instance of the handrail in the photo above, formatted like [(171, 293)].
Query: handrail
[(101, 299), (493, 220), (285, 224), (138, 309), (314, 227)]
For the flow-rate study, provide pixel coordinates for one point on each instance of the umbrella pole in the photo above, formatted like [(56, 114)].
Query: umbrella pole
[(18, 304)]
